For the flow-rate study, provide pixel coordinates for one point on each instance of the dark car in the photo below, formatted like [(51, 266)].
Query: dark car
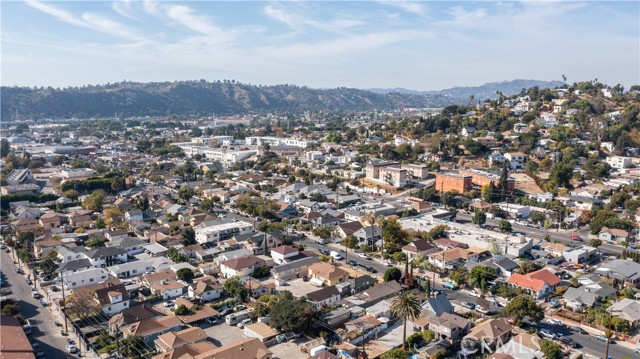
[(568, 341), (468, 305), (578, 330), (372, 270), (352, 262)]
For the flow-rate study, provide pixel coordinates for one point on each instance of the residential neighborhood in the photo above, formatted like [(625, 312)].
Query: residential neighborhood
[(456, 232)]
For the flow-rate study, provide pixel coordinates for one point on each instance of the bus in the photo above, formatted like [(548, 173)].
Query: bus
[(234, 318)]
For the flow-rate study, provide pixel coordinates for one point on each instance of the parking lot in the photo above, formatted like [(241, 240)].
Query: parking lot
[(222, 333)]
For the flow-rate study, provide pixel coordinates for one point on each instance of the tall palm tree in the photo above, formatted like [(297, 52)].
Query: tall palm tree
[(374, 219), (406, 306)]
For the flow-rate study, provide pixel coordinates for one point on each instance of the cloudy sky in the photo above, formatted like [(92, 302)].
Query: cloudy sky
[(364, 44)]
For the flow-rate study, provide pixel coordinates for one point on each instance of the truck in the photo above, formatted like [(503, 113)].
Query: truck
[(237, 317), (335, 255)]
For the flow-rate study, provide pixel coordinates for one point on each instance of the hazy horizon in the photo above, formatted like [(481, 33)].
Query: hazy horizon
[(421, 46)]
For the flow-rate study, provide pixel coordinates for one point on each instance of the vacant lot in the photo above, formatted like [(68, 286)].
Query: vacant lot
[(526, 184)]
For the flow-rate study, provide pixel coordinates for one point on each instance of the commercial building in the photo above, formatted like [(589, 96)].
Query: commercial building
[(446, 182), (219, 230), (386, 172)]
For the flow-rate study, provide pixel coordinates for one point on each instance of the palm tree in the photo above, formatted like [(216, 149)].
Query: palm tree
[(372, 218), (406, 306)]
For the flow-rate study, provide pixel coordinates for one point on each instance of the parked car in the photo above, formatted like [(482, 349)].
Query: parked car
[(386, 264), (468, 305), (372, 270), (169, 303), (603, 338), (553, 303), (35, 294), (29, 282), (19, 271), (578, 330), (212, 321), (569, 342), (547, 333), (225, 312), (71, 348), (351, 262), (243, 323), (554, 322), (362, 255), (43, 302), (37, 350)]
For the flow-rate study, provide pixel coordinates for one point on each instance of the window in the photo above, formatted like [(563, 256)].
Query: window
[(109, 309), (90, 279)]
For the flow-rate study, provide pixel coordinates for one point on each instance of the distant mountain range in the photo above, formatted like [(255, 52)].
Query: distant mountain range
[(201, 98), (483, 92)]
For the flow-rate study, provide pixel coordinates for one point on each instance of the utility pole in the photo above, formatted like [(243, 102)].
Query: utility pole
[(118, 340), (64, 303)]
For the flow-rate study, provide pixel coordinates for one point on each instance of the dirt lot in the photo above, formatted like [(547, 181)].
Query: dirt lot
[(298, 287), (526, 184)]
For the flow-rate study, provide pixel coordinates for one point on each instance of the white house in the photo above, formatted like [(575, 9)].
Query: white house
[(620, 162), (85, 277), (205, 289), (282, 253), (111, 296), (221, 229), (516, 160), (243, 266), (611, 234), (167, 288), (143, 266), (495, 158)]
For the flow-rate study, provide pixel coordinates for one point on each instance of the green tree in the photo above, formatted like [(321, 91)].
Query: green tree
[(504, 226), (176, 256), (394, 236), (49, 263), (350, 241), (181, 310), (185, 274), (118, 184), (595, 243), (4, 148), (480, 275), (290, 314), (479, 218), (405, 306), (523, 307), (235, 287), (397, 353), (488, 192), (460, 276), (503, 182), (186, 193), (188, 236), (551, 350), (392, 273), (528, 267), (94, 201)]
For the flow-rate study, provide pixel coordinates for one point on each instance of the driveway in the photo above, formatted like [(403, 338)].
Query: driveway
[(44, 330)]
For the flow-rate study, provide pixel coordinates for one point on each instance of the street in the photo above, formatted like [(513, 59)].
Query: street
[(561, 236), (589, 345), (44, 330)]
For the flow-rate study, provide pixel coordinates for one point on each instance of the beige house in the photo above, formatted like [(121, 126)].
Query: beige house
[(327, 273)]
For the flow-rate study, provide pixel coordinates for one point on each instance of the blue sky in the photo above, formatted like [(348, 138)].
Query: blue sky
[(364, 44)]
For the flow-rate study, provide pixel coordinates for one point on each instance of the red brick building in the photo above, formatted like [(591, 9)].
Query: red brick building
[(446, 182)]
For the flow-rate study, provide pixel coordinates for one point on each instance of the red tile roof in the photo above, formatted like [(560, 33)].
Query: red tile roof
[(534, 280)]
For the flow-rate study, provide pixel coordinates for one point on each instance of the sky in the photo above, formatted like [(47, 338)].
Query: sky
[(321, 44)]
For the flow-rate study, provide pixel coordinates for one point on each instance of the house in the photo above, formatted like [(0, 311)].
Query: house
[(150, 329), (624, 270), (188, 351), (85, 277), (205, 289), (613, 235), (506, 266), (150, 278), (260, 331), (18, 347), (117, 234), (454, 257), (327, 274), (282, 253), (577, 299), (495, 158), (286, 210), (516, 160), (25, 225), (221, 229), (41, 248), (539, 283), (242, 266), (134, 313), (436, 306), (324, 297), (489, 334), (51, 220), (467, 132), (361, 283), (619, 162), (293, 269), (369, 235), (111, 296), (522, 346), (418, 247), (349, 228), (449, 326), (375, 294), (627, 309), (256, 288), (167, 289), (174, 340), (325, 220), (196, 313), (136, 268)]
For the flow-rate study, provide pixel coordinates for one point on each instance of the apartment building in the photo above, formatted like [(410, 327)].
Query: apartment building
[(446, 182)]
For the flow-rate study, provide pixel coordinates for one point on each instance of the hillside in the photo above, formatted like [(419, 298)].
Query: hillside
[(195, 98), (482, 92)]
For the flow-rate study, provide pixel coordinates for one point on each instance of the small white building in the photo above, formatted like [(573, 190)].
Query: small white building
[(85, 277), (282, 253), (219, 230), (620, 162)]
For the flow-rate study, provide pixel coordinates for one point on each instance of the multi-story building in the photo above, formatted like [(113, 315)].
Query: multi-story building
[(219, 230), (416, 171), (446, 182), (516, 160), (386, 172), (481, 178), (620, 162)]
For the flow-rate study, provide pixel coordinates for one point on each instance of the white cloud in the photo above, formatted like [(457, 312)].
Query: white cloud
[(123, 8), (412, 7), (87, 20), (300, 22)]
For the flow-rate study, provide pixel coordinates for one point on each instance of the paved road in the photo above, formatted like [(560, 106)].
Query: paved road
[(589, 345), (44, 331), (561, 236)]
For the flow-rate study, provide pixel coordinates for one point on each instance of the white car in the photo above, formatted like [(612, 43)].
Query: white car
[(243, 323), (554, 321), (386, 264), (362, 255), (35, 294), (169, 303)]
